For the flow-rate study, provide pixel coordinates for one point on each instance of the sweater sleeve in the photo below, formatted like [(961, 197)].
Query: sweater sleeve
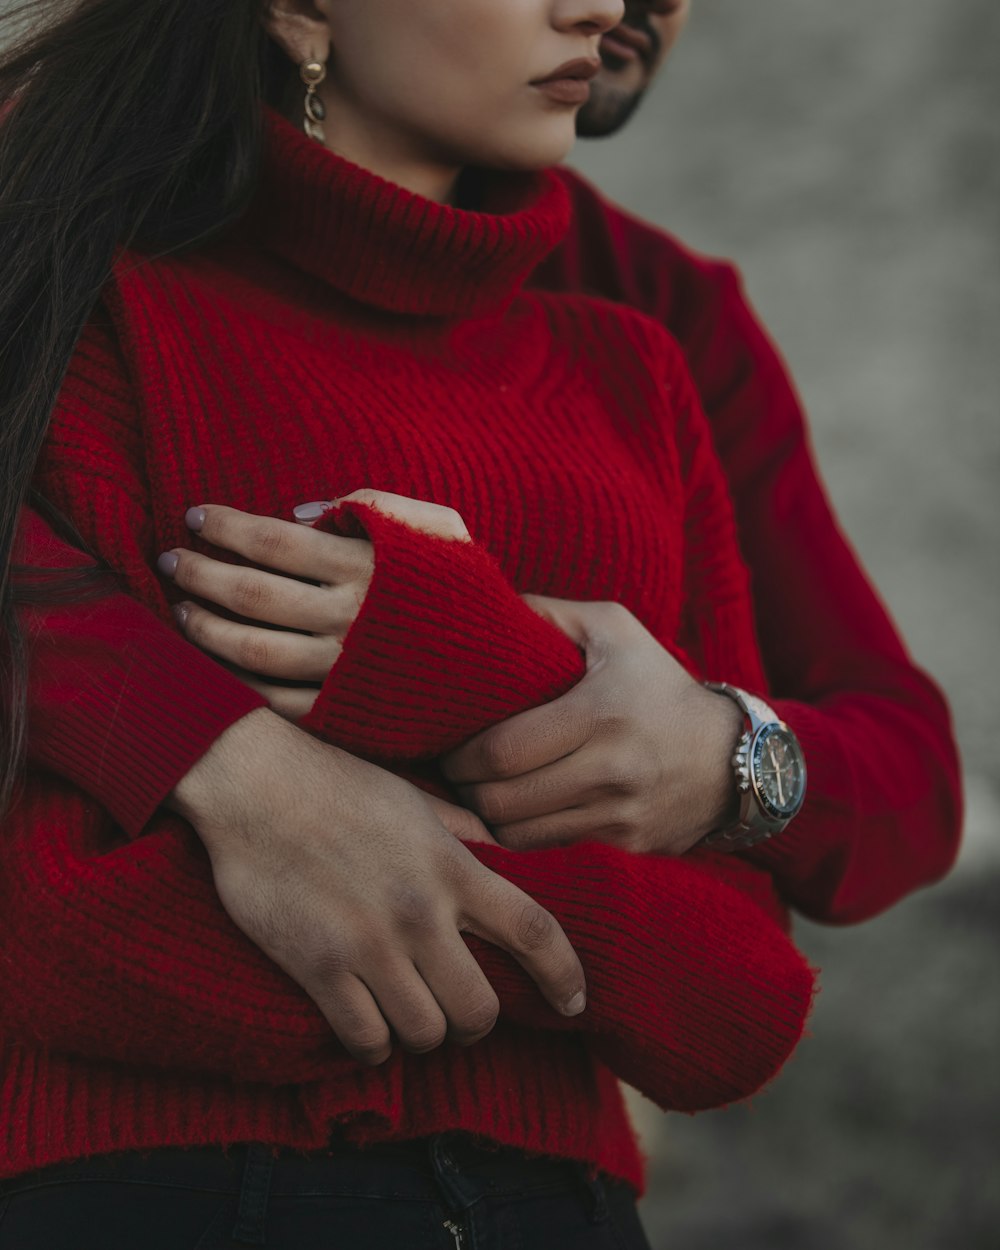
[(118, 702), (696, 995), (883, 812)]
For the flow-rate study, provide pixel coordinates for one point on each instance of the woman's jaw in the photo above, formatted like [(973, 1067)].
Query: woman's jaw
[(417, 90)]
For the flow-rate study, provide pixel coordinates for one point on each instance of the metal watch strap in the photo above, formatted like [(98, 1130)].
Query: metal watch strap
[(756, 709), (744, 833)]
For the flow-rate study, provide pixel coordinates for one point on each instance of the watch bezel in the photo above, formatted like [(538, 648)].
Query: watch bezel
[(775, 813), (759, 816)]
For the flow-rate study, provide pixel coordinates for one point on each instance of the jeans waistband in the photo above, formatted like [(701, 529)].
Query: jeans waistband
[(451, 1166)]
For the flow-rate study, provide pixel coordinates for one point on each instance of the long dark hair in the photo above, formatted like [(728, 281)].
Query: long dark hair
[(122, 123)]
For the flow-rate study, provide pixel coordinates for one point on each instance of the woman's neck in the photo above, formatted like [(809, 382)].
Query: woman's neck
[(391, 155)]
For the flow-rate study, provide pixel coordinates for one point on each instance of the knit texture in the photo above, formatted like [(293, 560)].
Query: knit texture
[(269, 370), (883, 813)]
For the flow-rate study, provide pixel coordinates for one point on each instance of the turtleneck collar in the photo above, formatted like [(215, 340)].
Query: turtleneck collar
[(394, 250)]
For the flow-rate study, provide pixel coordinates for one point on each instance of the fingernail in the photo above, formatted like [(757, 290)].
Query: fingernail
[(311, 511), (181, 612), (168, 562), (194, 519), (576, 1004)]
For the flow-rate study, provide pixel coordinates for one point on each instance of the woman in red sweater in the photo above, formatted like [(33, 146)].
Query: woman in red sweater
[(360, 320)]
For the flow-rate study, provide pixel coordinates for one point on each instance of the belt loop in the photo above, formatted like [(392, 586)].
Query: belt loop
[(597, 1195), (254, 1194), (459, 1191)]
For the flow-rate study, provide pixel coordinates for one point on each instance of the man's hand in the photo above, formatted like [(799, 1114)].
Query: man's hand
[(637, 754), (344, 876)]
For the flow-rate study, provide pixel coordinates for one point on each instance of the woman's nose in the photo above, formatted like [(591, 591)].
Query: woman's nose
[(592, 17)]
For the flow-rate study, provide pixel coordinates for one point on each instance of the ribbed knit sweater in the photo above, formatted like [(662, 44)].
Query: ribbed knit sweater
[(351, 334)]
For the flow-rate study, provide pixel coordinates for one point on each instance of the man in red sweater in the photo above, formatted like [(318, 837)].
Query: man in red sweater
[(882, 815)]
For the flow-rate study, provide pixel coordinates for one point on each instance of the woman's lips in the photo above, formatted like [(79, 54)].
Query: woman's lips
[(565, 90), (570, 83)]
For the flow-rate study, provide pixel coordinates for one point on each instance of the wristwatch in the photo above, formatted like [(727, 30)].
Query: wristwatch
[(770, 774)]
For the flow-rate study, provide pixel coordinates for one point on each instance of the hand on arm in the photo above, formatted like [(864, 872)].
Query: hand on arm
[(298, 603), (365, 913), (699, 997), (636, 754), (343, 876)]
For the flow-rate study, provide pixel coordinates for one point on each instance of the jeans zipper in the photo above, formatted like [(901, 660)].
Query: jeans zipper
[(457, 1233)]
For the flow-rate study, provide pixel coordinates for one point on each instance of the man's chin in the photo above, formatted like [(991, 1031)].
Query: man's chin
[(610, 106)]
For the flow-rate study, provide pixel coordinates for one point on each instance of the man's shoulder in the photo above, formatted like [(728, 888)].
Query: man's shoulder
[(611, 252)]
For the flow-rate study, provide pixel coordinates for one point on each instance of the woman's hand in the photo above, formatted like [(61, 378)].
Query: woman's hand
[(343, 875), (637, 754), (298, 613)]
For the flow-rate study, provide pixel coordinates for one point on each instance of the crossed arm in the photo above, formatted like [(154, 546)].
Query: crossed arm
[(851, 854), (695, 993)]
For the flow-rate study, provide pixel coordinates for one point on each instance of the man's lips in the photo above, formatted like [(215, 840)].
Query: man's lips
[(627, 44)]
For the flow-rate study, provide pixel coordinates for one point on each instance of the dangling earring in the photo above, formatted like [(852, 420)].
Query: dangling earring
[(312, 74)]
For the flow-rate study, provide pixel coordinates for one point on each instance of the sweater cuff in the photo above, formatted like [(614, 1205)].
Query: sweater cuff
[(442, 648), (122, 706)]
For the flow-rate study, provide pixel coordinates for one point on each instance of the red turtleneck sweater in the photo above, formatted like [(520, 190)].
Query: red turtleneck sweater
[(351, 334)]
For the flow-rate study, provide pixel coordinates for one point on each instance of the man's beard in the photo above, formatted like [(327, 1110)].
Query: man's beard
[(607, 111), (609, 107)]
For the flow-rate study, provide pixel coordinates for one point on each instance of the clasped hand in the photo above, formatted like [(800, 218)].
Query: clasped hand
[(636, 754)]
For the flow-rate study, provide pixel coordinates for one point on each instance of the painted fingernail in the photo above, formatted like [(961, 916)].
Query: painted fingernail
[(576, 1004), (311, 511), (181, 613), (194, 519), (168, 562)]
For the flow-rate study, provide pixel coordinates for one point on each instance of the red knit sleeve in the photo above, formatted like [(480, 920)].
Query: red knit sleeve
[(442, 647), (884, 809), (119, 702), (123, 952)]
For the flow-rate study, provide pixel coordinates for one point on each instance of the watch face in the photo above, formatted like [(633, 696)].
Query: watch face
[(779, 771)]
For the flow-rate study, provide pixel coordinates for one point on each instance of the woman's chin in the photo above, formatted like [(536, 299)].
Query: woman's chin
[(538, 151)]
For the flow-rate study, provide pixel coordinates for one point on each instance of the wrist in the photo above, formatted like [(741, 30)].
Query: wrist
[(720, 725), (233, 780)]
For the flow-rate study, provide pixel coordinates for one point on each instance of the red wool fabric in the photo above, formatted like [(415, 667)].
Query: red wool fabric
[(884, 809), (353, 335)]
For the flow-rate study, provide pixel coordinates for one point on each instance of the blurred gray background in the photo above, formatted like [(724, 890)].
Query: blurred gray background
[(846, 155)]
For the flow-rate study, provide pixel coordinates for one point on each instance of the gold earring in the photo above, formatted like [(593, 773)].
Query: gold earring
[(312, 74)]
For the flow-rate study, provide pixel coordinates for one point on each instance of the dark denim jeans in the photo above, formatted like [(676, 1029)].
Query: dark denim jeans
[(445, 1193)]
